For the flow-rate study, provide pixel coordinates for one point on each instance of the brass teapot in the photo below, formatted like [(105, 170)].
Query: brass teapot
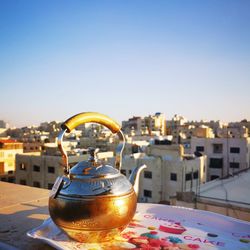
[(93, 202)]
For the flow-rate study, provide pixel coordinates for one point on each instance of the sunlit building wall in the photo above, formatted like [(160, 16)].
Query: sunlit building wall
[(8, 150), (225, 156)]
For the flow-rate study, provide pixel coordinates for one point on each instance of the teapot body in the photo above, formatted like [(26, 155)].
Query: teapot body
[(93, 219)]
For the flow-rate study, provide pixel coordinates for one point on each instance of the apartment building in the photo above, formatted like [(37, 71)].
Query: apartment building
[(8, 150), (36, 170), (32, 147), (214, 125), (41, 170), (148, 125), (233, 131), (244, 123), (133, 126), (156, 123), (168, 171), (225, 156)]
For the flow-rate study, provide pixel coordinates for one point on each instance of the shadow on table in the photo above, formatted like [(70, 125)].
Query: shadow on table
[(16, 221)]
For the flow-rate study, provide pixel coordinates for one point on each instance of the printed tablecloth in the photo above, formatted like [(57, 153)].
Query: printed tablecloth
[(162, 227)]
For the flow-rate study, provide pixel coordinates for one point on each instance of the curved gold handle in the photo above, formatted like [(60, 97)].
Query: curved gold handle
[(86, 117)]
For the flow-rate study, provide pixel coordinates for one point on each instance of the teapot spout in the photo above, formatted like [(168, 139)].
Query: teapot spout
[(134, 177)]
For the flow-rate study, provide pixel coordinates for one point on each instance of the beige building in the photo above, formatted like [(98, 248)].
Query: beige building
[(133, 126), (168, 171), (37, 170), (243, 123), (203, 132), (232, 131), (225, 156), (174, 123), (41, 170), (32, 147), (8, 150), (156, 123), (148, 125), (214, 125)]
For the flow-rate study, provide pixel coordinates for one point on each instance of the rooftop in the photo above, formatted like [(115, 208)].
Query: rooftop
[(233, 190), (21, 209)]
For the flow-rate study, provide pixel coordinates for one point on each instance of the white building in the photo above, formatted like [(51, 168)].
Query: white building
[(168, 172), (148, 125), (37, 170), (41, 170), (225, 156), (8, 150)]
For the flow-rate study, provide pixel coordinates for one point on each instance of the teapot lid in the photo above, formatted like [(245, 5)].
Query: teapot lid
[(92, 169), (89, 178)]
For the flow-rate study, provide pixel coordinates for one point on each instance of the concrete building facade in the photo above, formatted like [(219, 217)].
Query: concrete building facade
[(41, 170), (225, 156), (168, 172), (148, 125), (8, 150)]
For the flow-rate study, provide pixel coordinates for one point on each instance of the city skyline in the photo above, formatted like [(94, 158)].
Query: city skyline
[(122, 59), (168, 120)]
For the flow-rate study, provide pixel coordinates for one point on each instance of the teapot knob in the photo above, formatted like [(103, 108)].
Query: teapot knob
[(93, 153)]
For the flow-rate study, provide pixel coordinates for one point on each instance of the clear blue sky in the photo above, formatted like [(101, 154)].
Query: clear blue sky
[(124, 58)]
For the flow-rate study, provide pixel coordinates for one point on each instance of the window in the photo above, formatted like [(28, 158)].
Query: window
[(188, 176), (195, 175), (36, 168), (217, 148), (123, 171), (23, 182), (36, 184), (147, 193), (51, 170), (50, 185), (216, 163), (213, 177), (200, 149), (173, 176), (148, 174), (234, 164), (22, 166), (235, 150)]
